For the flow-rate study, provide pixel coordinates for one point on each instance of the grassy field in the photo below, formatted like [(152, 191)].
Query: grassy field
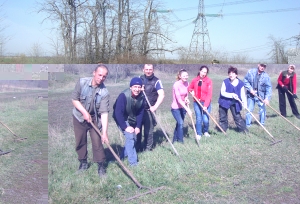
[(236, 168), (23, 174)]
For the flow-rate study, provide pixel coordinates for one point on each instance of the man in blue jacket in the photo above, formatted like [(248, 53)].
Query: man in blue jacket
[(257, 83), (128, 114)]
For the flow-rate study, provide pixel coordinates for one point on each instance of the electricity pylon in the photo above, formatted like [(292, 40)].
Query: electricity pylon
[(200, 43)]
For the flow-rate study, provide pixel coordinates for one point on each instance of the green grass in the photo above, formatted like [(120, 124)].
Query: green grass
[(236, 168), (23, 175)]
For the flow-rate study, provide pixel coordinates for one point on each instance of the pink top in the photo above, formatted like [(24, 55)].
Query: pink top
[(180, 91)]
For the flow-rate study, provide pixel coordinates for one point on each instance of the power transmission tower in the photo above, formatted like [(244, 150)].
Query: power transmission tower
[(200, 43)]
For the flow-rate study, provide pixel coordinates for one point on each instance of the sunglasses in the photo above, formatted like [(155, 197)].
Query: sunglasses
[(292, 68)]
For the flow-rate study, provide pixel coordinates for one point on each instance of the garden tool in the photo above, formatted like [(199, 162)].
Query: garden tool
[(156, 119), (15, 136), (278, 113), (193, 123), (196, 99), (139, 185), (274, 141)]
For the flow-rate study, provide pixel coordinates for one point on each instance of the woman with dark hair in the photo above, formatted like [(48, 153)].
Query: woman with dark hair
[(201, 88), (287, 83), (179, 105), (232, 90)]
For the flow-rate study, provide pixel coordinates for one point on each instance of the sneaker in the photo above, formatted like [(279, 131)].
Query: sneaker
[(298, 116), (198, 137), (206, 134)]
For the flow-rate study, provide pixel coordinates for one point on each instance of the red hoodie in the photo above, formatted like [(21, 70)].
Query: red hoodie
[(206, 89)]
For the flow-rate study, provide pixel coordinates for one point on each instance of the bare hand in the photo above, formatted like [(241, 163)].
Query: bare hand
[(137, 130), (87, 117), (266, 101), (153, 109), (129, 129), (104, 138)]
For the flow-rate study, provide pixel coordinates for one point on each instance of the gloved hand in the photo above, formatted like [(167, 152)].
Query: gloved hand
[(285, 88), (295, 96)]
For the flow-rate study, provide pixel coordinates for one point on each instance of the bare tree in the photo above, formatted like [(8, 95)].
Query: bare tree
[(3, 38), (278, 52)]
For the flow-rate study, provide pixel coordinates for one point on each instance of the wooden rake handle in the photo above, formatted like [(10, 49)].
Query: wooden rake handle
[(277, 112), (154, 115), (9, 129), (293, 94), (193, 123), (255, 119), (119, 160), (208, 113)]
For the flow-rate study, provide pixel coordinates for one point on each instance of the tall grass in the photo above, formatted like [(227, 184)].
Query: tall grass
[(236, 168)]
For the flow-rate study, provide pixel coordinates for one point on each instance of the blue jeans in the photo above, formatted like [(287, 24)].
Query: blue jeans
[(129, 148), (262, 110), (201, 117), (179, 115)]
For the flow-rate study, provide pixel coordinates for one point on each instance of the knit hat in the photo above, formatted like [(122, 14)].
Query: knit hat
[(292, 65), (136, 81)]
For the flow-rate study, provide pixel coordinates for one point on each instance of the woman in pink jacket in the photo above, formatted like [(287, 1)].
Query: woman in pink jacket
[(201, 88), (179, 105)]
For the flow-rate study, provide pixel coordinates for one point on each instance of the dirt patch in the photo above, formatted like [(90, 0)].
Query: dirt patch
[(29, 182)]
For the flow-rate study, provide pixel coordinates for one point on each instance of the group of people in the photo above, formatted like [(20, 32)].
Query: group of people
[(135, 107)]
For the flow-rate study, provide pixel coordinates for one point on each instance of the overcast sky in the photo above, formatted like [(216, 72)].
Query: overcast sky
[(245, 26)]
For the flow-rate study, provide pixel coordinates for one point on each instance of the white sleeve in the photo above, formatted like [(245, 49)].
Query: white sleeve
[(243, 96), (223, 91)]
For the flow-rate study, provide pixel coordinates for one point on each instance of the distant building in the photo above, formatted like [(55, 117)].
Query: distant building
[(294, 56)]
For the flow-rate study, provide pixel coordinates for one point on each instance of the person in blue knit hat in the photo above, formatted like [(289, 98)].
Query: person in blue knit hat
[(128, 115)]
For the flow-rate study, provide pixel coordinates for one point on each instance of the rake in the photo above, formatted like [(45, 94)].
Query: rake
[(196, 99), (193, 123), (293, 94), (137, 183), (274, 141), (16, 137), (4, 152), (278, 113), (154, 115)]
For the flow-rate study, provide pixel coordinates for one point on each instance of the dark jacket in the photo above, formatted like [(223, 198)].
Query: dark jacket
[(227, 102), (127, 108), (150, 89)]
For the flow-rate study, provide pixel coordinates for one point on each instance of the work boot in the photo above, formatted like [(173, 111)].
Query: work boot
[(83, 165), (101, 169)]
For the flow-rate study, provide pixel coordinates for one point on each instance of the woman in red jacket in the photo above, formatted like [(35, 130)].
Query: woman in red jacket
[(201, 88), (287, 83)]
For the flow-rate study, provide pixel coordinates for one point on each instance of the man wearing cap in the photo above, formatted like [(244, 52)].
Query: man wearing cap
[(155, 93), (128, 115), (91, 105), (257, 83), (287, 84)]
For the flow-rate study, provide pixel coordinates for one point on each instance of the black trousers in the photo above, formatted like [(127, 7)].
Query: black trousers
[(223, 121), (282, 102)]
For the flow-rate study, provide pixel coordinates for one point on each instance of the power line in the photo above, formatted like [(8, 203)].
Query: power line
[(260, 47), (217, 5), (262, 12)]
